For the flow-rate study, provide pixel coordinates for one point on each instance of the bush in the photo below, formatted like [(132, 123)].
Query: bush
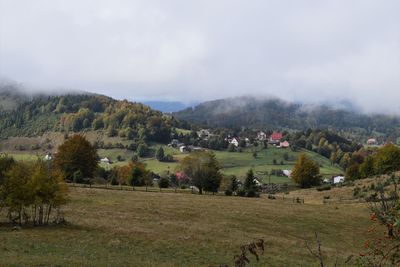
[(241, 193), (327, 197), (228, 192), (271, 196), (324, 188), (163, 182), (372, 187), (356, 191)]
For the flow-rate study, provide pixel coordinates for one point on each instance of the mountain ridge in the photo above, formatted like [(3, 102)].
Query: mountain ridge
[(275, 113)]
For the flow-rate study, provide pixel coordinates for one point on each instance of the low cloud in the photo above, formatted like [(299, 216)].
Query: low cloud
[(308, 51)]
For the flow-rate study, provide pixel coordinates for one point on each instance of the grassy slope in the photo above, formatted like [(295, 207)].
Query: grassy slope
[(166, 229), (239, 163)]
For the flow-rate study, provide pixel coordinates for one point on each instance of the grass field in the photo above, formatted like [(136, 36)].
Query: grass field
[(121, 228), (239, 163), (231, 162)]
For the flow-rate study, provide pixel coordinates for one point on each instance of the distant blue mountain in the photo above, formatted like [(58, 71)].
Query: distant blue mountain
[(166, 106)]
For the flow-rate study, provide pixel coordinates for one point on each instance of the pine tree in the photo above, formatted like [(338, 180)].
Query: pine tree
[(249, 182), (160, 154)]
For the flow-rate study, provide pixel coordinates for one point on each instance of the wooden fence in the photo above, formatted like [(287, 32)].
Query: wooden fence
[(174, 190)]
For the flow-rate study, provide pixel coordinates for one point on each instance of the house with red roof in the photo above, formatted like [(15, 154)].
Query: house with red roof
[(275, 138)]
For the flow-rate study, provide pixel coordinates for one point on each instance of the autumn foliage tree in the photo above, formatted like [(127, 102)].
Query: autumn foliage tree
[(387, 159), (306, 172), (77, 154)]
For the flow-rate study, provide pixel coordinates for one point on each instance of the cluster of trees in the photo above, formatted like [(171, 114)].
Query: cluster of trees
[(161, 156), (364, 163), (133, 174), (203, 170), (31, 192), (325, 143)]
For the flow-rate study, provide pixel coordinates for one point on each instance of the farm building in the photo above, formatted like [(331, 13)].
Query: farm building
[(261, 136), (372, 142), (275, 138)]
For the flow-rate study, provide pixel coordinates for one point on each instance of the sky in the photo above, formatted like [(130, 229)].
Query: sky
[(305, 50)]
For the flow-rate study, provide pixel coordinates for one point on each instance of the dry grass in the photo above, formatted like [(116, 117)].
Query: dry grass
[(118, 228), (337, 193)]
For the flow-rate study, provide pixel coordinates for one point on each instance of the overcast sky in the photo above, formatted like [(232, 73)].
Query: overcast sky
[(191, 50)]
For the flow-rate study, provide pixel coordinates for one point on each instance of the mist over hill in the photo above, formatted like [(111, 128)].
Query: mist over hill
[(274, 113)]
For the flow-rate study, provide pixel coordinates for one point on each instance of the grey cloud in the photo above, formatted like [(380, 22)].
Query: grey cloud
[(309, 51)]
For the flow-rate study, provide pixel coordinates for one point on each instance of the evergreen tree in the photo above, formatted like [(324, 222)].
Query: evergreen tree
[(249, 182), (160, 154)]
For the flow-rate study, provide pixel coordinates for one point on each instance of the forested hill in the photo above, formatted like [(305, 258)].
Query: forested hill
[(277, 114), (32, 116)]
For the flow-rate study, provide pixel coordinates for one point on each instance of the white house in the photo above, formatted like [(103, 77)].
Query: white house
[(235, 142), (261, 136), (105, 160), (338, 179)]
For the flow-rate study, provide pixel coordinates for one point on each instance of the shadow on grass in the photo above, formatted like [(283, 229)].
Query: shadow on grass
[(7, 226)]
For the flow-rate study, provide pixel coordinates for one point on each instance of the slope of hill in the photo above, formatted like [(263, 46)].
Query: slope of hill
[(278, 114), (76, 112)]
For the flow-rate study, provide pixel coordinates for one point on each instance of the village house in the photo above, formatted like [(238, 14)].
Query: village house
[(275, 138), (105, 160), (261, 136), (372, 142), (174, 143), (204, 133), (234, 141)]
